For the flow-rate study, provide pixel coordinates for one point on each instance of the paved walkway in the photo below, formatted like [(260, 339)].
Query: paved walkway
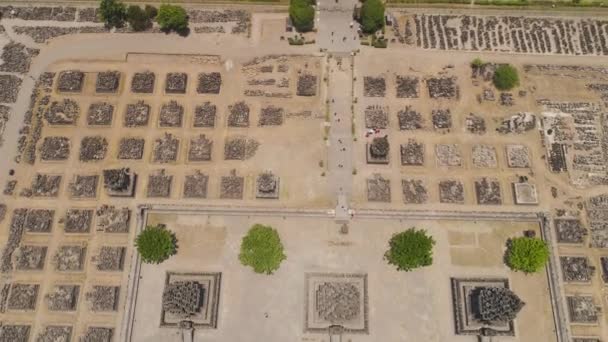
[(336, 29)]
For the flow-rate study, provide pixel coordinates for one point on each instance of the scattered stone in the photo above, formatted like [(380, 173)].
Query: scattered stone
[(604, 266), (448, 155), (9, 188), (70, 81), (84, 186), (576, 269), (112, 219), (209, 83), (378, 189), (63, 298), (204, 115), (171, 115), (23, 297), (484, 156), (267, 185), (2, 211), (70, 258), (98, 334), (442, 118), (43, 185), (443, 87), (15, 333), (195, 185), (376, 117), (55, 333), (110, 259), (15, 233), (176, 83), (570, 231), (200, 149), (412, 153), (166, 149), (103, 298), (159, 184), (239, 115), (137, 115), (271, 116), (232, 186), (582, 309), (240, 148), (93, 148), (119, 182), (30, 258), (78, 221), (55, 148), (409, 119), (506, 99), (488, 95), (39, 220), (9, 88), (307, 85), (518, 156), (16, 57), (100, 114), (475, 124), (143, 82), (488, 191), (131, 148), (107, 82), (408, 87), (414, 191), (64, 112), (518, 123), (451, 191)]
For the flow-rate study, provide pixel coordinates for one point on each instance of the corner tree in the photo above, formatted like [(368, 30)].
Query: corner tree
[(262, 249), (172, 18), (156, 244), (138, 19), (302, 15), (372, 16), (527, 254), (112, 12), (506, 77), (410, 249)]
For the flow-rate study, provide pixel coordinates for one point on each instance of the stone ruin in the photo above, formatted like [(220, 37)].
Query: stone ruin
[(70, 81), (232, 186), (15, 234), (576, 269), (239, 115), (39, 220), (137, 114), (15, 333), (195, 185), (267, 185), (16, 57), (448, 155), (408, 87), (414, 191), (183, 298), (70, 258), (54, 333), (518, 156), (131, 148), (98, 334), (488, 191), (110, 259), (200, 149), (271, 116), (159, 184), (103, 298), (55, 148), (165, 149), (488, 95), (475, 124), (176, 83), (209, 83), (582, 309), (484, 156), (506, 99), (171, 115), (119, 182), (604, 267), (412, 153), (443, 87), (442, 118), (524, 193), (100, 114), (23, 297), (107, 82), (496, 305), (2, 211), (43, 185), (517, 123), (451, 191), (409, 119), (93, 148), (307, 85), (378, 151), (204, 115), (570, 231), (338, 302), (63, 298), (64, 112), (84, 186), (9, 88), (374, 86), (9, 188), (378, 189), (240, 148), (30, 257), (111, 219), (376, 117), (78, 221), (143, 82)]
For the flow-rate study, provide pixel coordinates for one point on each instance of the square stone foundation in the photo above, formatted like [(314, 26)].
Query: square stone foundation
[(371, 160), (525, 194)]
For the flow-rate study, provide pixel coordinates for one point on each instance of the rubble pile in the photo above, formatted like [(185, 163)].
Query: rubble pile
[(408, 87), (195, 185), (131, 148), (44, 185), (55, 148), (15, 233), (100, 114), (414, 191), (374, 86), (262, 82), (12, 332), (443, 87), (103, 298), (271, 116), (118, 181), (64, 112), (16, 57), (506, 99), (165, 149), (448, 155), (143, 82), (240, 148), (412, 153), (84, 186), (93, 148), (39, 220), (267, 185), (200, 149), (88, 14), (176, 83), (137, 114), (23, 297), (70, 258), (518, 156), (475, 124), (159, 184), (338, 302), (376, 117), (576, 269), (379, 148), (107, 82), (9, 88), (70, 81), (183, 298), (570, 231), (378, 189), (110, 259), (171, 114), (98, 334), (231, 186), (209, 29), (488, 191), (9, 188), (63, 298), (307, 85), (451, 191), (112, 219), (30, 258), (204, 115), (488, 95), (484, 156), (442, 118), (518, 123), (78, 221), (47, 13), (409, 119), (209, 83), (239, 115)]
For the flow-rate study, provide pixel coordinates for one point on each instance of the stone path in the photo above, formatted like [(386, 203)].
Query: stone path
[(336, 29)]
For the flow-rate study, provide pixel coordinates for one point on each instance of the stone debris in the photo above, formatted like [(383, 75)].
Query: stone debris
[(408, 87), (39, 220), (204, 115), (23, 297), (30, 258), (107, 82), (103, 298), (576, 269), (239, 115), (16, 57), (41, 34), (84, 186), (506, 99), (43, 185), (9, 88), (63, 298), (488, 95), (240, 18), (262, 82), (166, 149), (412, 153), (240, 148), (183, 298), (448, 155), (9, 188), (570, 231), (443, 87), (518, 156), (176, 83), (64, 112), (200, 149), (159, 184), (338, 302), (93, 148), (267, 185), (131, 148), (271, 116), (55, 148), (414, 191), (2, 211), (209, 29), (15, 233), (119, 182), (582, 309), (442, 118), (70, 81), (484, 156), (46, 13), (143, 82), (171, 115), (70, 258), (98, 334), (604, 267), (111, 219), (78, 221), (55, 333), (110, 259), (4, 116), (195, 185), (90, 14), (475, 124), (451, 191), (378, 189), (137, 114), (15, 333), (307, 85), (374, 86), (518, 123), (376, 117), (488, 191), (209, 83), (410, 119), (100, 114), (232, 186)]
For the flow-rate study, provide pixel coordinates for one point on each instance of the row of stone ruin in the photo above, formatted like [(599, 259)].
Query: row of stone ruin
[(511, 34), (68, 258), (50, 13), (21, 332), (409, 87)]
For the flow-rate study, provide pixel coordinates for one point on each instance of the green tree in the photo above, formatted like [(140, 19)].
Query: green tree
[(302, 15), (410, 249), (262, 249), (112, 12), (156, 244), (527, 254), (172, 18), (151, 11), (477, 63), (506, 77), (372, 16), (138, 18)]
